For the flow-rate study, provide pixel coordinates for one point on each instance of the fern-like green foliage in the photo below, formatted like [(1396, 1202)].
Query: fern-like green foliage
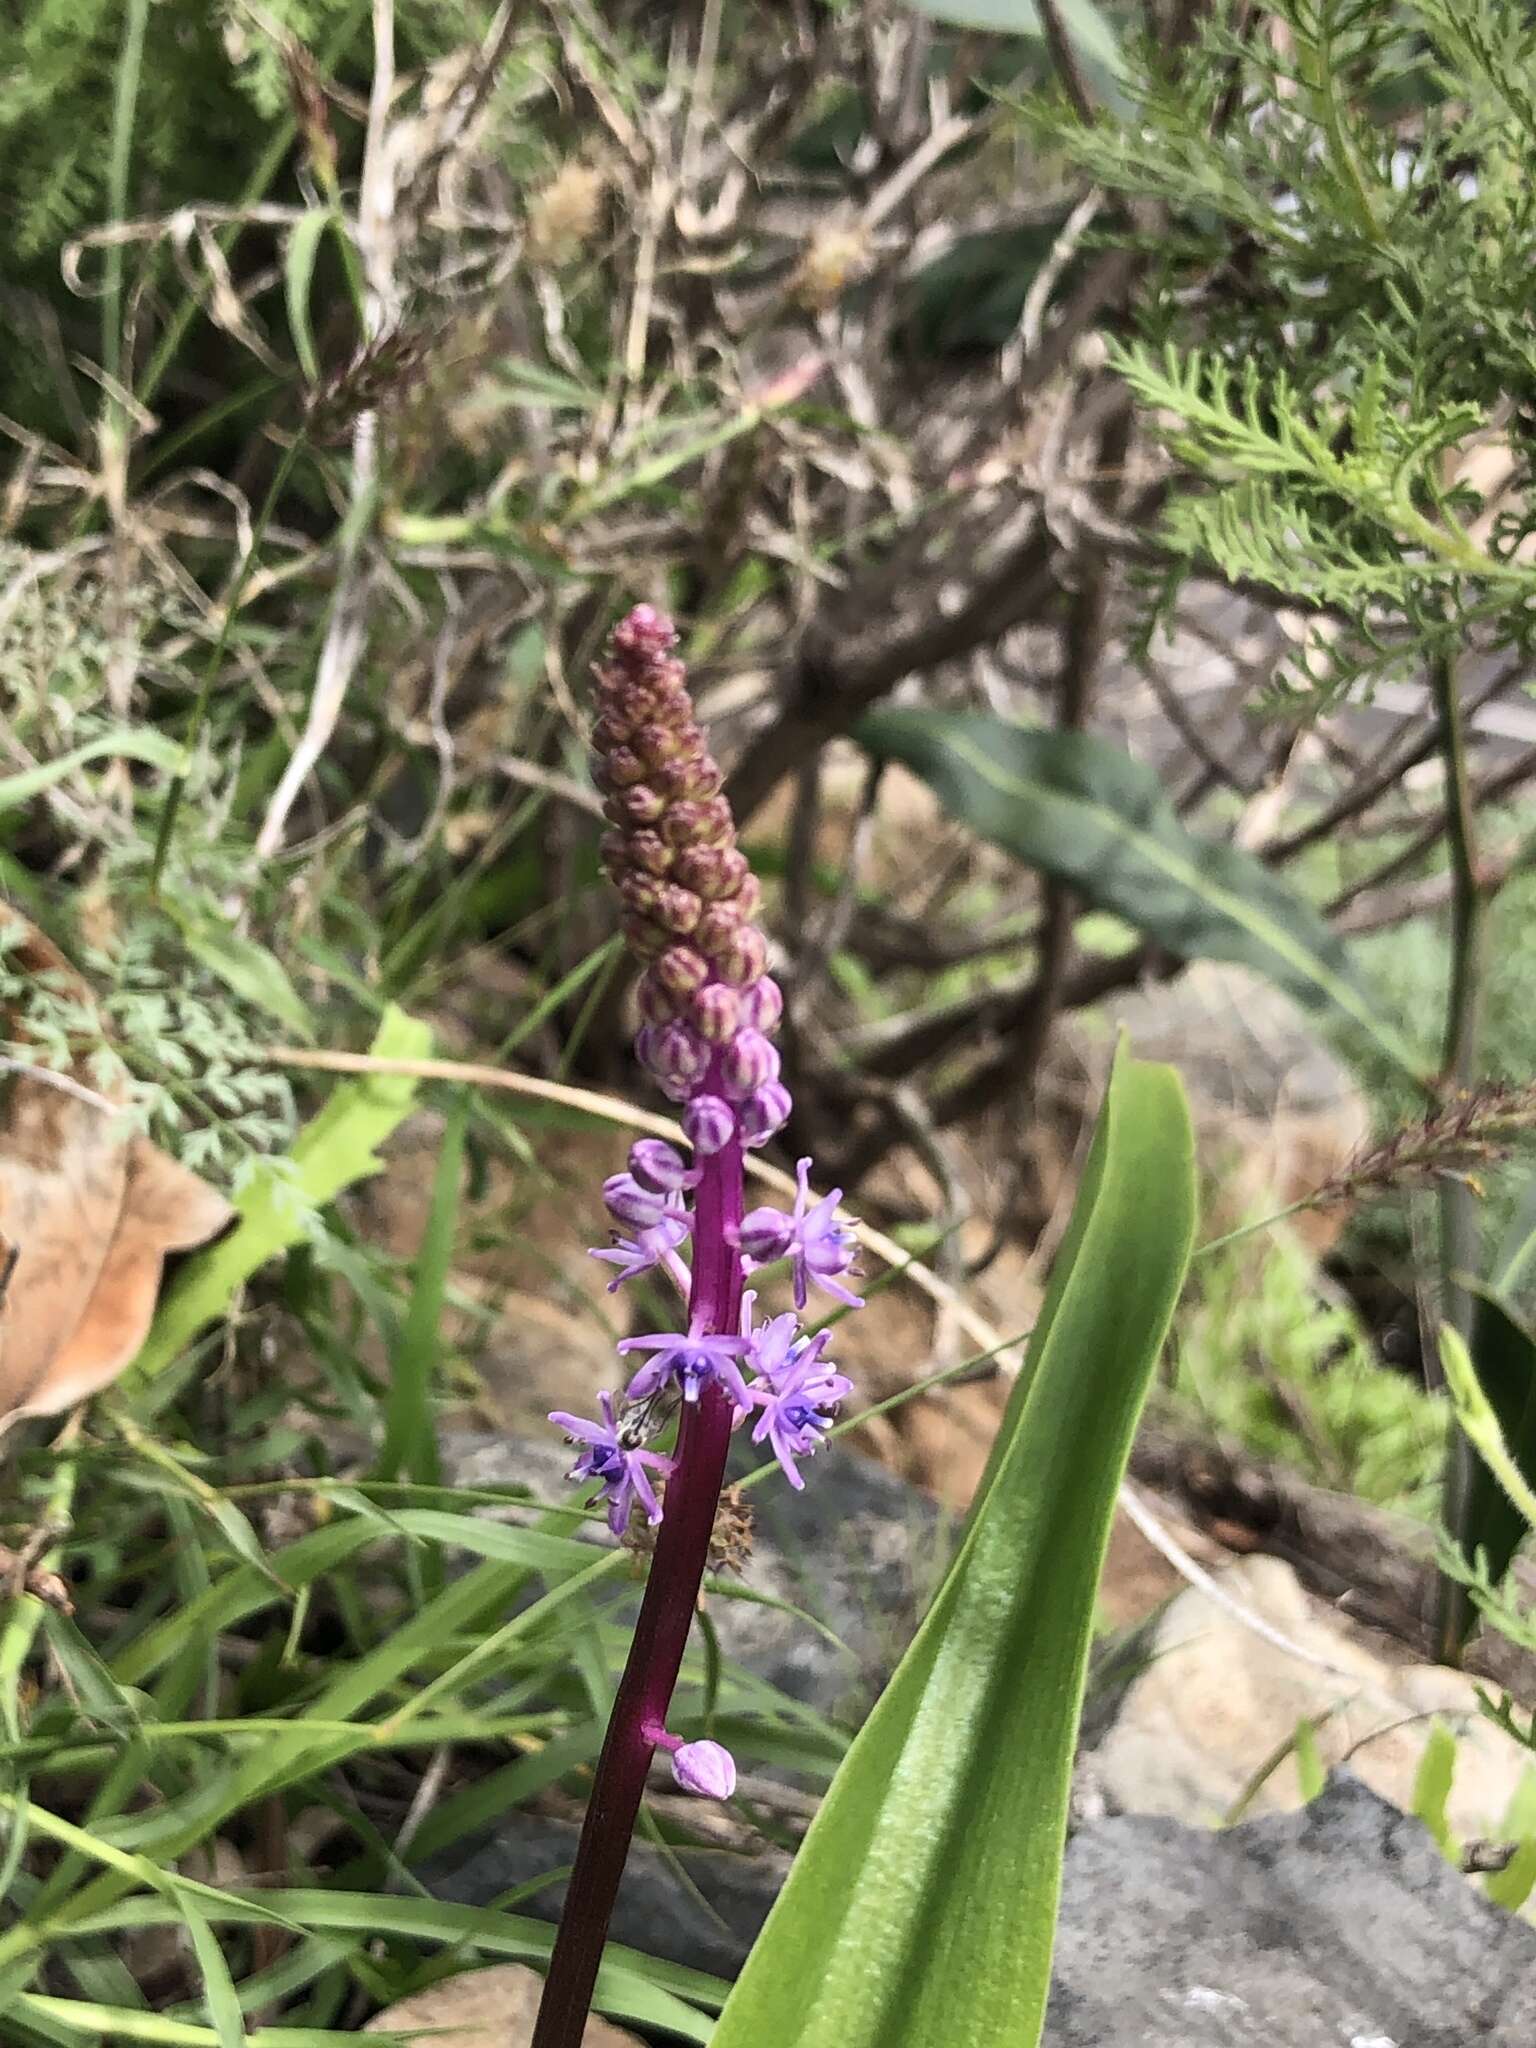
[(1337, 306), (1263, 1358)]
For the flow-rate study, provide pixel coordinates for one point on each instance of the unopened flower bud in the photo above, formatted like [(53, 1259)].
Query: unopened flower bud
[(749, 897), (717, 927), (642, 893), (684, 823), (643, 938), (764, 1114), (681, 970), (650, 851), (744, 959), (621, 769), (748, 1063), (628, 1202), (656, 1004), (706, 1768), (765, 1235), (709, 1125), (762, 1005), (639, 804), (714, 871), (715, 1012), (701, 778), (644, 633), (656, 744), (716, 827), (678, 909), (656, 1164), (674, 1054)]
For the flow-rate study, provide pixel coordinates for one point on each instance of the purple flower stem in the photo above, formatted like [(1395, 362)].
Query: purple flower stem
[(661, 1632)]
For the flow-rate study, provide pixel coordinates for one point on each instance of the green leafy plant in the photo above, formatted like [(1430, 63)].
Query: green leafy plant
[(1262, 1357)]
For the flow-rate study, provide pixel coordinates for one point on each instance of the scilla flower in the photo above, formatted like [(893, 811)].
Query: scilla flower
[(710, 1011)]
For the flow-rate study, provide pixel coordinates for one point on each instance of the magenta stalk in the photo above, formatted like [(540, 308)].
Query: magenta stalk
[(661, 1633)]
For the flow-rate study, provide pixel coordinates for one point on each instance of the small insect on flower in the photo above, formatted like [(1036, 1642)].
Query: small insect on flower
[(621, 1466)]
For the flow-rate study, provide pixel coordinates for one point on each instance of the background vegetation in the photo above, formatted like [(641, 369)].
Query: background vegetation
[(1089, 454)]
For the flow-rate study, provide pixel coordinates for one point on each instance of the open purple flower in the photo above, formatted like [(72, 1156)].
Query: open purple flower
[(798, 1395), (656, 1246), (620, 1468), (693, 1360), (818, 1247)]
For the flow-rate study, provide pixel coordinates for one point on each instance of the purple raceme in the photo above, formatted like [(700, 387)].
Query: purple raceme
[(710, 1010)]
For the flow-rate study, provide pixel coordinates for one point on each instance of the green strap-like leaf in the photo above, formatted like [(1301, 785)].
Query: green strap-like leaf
[(1085, 812), (1508, 1366), (922, 1906)]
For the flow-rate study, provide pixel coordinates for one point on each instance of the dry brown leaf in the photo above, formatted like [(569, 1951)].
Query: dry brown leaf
[(493, 2008), (88, 1212)]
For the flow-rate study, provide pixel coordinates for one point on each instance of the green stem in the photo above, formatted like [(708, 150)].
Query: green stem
[(1459, 1056)]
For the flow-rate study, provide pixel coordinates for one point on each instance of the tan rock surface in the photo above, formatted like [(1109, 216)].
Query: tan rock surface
[(1216, 1702), (492, 2008)]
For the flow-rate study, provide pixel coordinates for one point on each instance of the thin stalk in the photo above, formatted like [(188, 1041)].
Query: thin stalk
[(125, 102), (1459, 1054), (661, 1633)]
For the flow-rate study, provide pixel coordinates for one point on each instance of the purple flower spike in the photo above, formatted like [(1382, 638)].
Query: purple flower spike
[(619, 1468), (707, 1768), (709, 1125), (688, 908), (656, 1164), (656, 1246), (798, 1398), (691, 1359)]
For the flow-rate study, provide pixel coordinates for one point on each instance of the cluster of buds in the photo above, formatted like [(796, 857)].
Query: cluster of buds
[(710, 1011)]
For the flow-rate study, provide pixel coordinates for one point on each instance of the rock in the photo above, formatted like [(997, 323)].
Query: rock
[(701, 1907), (1214, 1700), (1337, 1927), (491, 2008)]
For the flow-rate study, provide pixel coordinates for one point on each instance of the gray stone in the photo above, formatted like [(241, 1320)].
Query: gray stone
[(1340, 1926), (700, 1907)]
